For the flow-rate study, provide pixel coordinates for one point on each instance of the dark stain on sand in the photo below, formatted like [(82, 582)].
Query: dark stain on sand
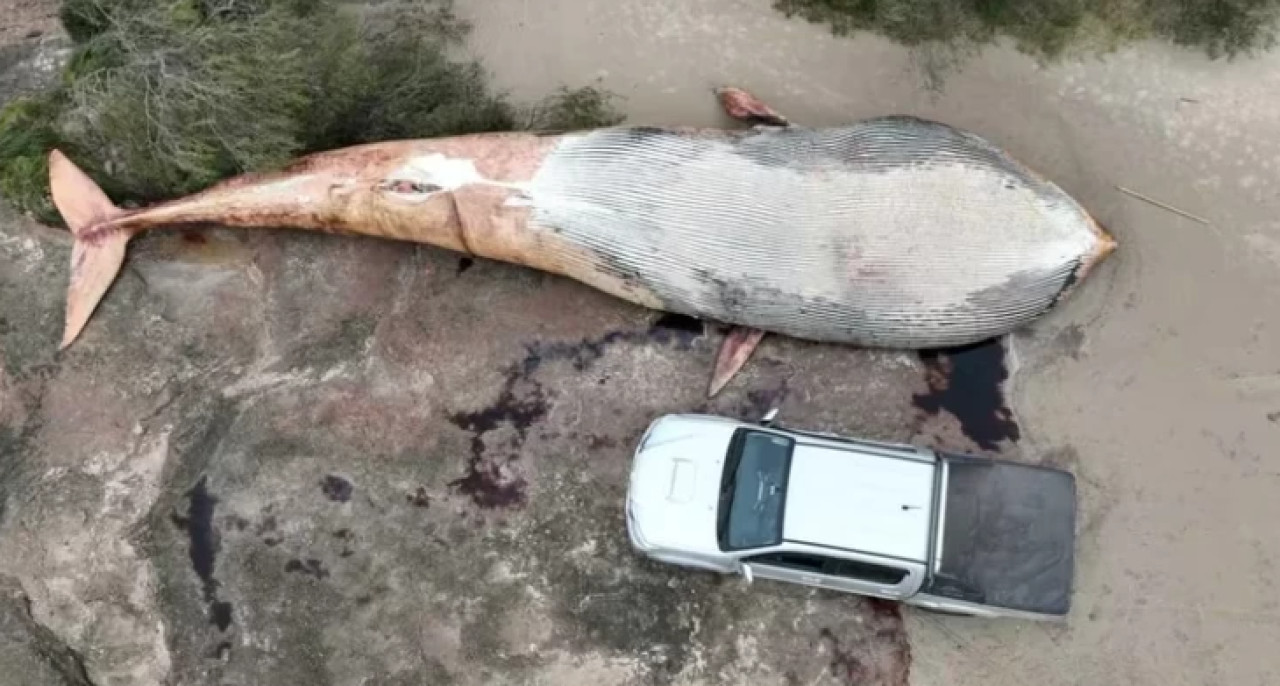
[(968, 382)]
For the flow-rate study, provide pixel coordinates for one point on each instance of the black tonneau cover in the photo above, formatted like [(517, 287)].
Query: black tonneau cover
[(1009, 536)]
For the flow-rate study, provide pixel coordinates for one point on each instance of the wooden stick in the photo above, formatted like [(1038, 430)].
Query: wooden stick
[(1161, 205)]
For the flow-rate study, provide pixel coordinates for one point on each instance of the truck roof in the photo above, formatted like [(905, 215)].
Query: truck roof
[(843, 498)]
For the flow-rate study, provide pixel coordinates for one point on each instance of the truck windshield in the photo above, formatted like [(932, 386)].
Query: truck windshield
[(752, 490)]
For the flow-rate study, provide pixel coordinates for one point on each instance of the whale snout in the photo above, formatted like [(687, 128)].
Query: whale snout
[(1104, 243)]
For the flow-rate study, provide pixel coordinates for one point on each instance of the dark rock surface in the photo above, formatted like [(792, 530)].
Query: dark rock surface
[(282, 458)]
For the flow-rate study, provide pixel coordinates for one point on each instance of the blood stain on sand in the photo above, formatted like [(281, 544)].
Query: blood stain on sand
[(968, 382)]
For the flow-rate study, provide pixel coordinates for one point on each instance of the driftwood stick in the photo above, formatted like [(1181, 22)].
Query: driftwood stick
[(1161, 205)]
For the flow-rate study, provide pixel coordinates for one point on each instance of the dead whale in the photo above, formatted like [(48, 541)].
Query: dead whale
[(890, 232)]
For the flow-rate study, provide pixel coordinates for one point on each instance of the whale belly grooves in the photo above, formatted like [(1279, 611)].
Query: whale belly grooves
[(892, 232)]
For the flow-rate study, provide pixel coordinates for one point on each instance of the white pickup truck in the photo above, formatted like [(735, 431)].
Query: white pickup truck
[(951, 533)]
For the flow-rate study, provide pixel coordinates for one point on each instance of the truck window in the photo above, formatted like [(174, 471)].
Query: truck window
[(819, 564), (753, 490), (802, 561), (865, 571)]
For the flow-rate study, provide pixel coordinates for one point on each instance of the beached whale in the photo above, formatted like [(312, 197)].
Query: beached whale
[(889, 232)]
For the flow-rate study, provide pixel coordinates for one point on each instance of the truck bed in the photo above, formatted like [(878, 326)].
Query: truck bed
[(1008, 536)]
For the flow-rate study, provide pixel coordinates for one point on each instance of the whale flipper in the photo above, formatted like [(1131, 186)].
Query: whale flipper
[(746, 107), (736, 349)]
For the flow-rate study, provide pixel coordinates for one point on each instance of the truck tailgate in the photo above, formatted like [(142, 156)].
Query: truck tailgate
[(1008, 537)]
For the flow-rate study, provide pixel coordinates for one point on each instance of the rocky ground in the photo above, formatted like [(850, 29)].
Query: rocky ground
[(283, 458)]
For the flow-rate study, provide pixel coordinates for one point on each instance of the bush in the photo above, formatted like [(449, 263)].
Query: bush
[(943, 32), (163, 98), (1219, 27), (26, 134)]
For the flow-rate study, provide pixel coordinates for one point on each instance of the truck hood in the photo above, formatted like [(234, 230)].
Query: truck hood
[(674, 489)]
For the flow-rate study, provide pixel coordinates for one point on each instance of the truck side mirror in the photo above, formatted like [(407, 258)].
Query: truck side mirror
[(767, 419)]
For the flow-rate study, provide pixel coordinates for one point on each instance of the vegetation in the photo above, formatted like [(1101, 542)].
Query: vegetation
[(944, 32), (162, 97)]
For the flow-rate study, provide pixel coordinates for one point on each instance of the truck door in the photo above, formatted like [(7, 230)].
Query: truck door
[(828, 572), (869, 578), (792, 567)]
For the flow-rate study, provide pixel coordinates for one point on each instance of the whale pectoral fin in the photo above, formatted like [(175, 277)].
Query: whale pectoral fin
[(737, 347), (746, 107)]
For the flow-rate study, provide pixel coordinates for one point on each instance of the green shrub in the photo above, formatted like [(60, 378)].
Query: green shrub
[(1219, 27), (26, 134), (944, 32), (571, 109), (163, 98)]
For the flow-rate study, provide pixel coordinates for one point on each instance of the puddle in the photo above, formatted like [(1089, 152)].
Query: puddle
[(519, 411), (204, 549), (968, 382), (485, 484), (523, 402), (336, 488)]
